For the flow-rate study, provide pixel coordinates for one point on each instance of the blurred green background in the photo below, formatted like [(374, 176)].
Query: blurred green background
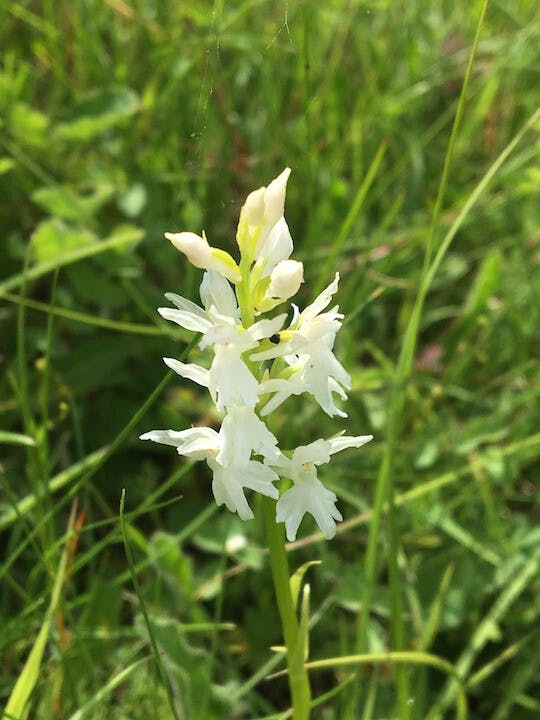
[(123, 119)]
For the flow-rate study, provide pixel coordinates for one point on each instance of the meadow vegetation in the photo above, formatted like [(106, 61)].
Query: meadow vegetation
[(122, 120)]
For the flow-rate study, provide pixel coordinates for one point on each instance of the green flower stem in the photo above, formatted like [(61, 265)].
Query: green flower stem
[(298, 675)]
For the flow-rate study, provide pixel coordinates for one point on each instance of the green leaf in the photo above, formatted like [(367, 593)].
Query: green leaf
[(100, 111), (53, 238), (125, 235), (6, 164), (65, 203), (9, 438), (17, 705), (297, 577), (426, 455), (122, 235), (303, 627), (133, 200), (103, 692), (28, 125), (485, 284)]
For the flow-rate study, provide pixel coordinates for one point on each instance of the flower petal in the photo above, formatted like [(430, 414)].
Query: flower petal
[(229, 482), (308, 496), (216, 291), (266, 328), (344, 441), (201, 255), (286, 279), (230, 381), (320, 302), (197, 443), (190, 371), (242, 432), (277, 247), (187, 320)]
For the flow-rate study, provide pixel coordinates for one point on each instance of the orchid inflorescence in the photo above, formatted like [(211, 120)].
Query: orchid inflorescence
[(258, 363)]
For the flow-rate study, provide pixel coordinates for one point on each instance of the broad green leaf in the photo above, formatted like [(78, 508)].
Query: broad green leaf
[(28, 125), (100, 111), (53, 239), (122, 235), (65, 203)]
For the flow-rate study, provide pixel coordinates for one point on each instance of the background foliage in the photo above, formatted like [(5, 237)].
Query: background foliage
[(121, 120)]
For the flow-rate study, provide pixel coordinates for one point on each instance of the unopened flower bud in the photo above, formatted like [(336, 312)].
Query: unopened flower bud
[(286, 279), (261, 211), (202, 255)]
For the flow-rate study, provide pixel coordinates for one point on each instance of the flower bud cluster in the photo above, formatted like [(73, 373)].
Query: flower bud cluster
[(258, 362)]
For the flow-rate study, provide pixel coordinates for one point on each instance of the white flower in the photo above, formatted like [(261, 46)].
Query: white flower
[(313, 366), (201, 255), (229, 480), (229, 379), (242, 433), (308, 494), (262, 210), (236, 294), (198, 443), (275, 248), (230, 382), (285, 280)]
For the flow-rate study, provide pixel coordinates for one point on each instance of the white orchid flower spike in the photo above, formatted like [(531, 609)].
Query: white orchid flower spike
[(255, 364)]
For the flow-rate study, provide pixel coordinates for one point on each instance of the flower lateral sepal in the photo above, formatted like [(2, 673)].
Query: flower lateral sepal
[(203, 256)]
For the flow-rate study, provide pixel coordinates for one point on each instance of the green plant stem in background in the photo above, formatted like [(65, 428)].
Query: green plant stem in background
[(385, 481), (151, 636), (298, 676)]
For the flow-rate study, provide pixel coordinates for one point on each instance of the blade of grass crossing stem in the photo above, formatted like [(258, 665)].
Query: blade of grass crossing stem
[(27, 503), (453, 136), (509, 653), (17, 705), (86, 319), (22, 376), (68, 258), (337, 245), (43, 434), (522, 675), (319, 700), (107, 689), (109, 451), (159, 664), (385, 481), (483, 632), (401, 658)]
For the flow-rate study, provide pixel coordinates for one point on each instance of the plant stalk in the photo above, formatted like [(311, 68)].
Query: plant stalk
[(298, 675)]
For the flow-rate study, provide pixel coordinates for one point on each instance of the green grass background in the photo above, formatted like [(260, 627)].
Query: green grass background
[(120, 120)]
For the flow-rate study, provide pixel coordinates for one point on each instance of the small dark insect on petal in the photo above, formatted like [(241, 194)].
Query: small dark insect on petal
[(274, 338)]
